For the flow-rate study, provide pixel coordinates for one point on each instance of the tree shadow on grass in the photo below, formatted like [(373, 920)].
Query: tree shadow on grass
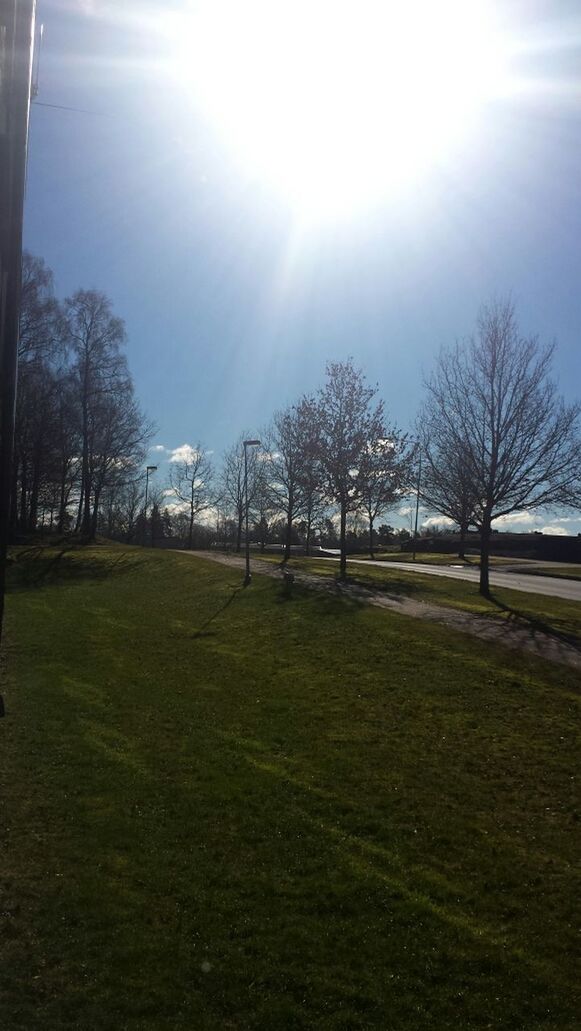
[(203, 631), (36, 567), (351, 589), (326, 594), (393, 588), (515, 618)]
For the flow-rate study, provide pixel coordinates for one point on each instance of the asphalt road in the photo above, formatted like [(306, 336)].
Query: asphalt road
[(552, 586)]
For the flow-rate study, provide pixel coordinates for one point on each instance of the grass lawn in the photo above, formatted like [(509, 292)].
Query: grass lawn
[(226, 808), (540, 612), (432, 558), (435, 558), (572, 572)]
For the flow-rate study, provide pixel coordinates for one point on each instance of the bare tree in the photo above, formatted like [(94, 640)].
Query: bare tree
[(122, 510), (96, 336), (264, 502), (291, 457), (41, 357), (232, 487), (118, 442), (67, 444), (492, 404), (446, 484), (310, 473), (41, 329), (384, 473), (191, 482), (79, 432), (346, 425)]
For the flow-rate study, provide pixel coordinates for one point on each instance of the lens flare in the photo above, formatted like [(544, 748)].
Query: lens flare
[(338, 105)]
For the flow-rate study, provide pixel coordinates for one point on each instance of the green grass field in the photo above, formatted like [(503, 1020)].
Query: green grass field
[(228, 808), (437, 558), (431, 557), (571, 572), (536, 611)]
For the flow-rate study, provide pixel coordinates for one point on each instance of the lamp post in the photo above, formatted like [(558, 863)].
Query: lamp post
[(247, 444), (149, 469), (16, 34), (417, 500)]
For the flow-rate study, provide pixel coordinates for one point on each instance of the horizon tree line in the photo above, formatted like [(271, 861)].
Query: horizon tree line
[(494, 436)]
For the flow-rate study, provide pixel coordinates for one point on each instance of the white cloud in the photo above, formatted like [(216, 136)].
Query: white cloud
[(438, 521), (184, 453), (515, 520), (175, 507), (524, 522), (206, 518), (158, 447)]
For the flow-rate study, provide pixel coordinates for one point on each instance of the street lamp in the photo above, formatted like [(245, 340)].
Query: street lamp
[(247, 444), (16, 32), (149, 469)]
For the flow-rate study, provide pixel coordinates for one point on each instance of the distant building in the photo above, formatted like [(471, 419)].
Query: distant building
[(550, 547)]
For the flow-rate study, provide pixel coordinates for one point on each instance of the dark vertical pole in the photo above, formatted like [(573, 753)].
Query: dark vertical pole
[(145, 507), (17, 29), (247, 577), (148, 469), (417, 503)]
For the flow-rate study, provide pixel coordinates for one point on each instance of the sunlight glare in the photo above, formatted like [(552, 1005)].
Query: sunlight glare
[(338, 104)]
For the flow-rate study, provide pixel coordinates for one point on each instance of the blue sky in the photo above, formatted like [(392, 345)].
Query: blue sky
[(231, 311)]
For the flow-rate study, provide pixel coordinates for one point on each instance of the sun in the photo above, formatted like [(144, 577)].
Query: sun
[(339, 104)]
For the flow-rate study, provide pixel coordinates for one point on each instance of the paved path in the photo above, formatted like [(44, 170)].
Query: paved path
[(550, 585), (512, 631)]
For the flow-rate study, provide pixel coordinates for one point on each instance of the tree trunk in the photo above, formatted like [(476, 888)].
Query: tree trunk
[(86, 523), (14, 497), (34, 492), (80, 507), (287, 536), (110, 526), (484, 555), (23, 495), (371, 552), (62, 500), (85, 504), (191, 530), (239, 530), (95, 515), (462, 548), (308, 537), (343, 543)]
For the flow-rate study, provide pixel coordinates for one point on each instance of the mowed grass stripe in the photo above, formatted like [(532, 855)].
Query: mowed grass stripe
[(229, 808)]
